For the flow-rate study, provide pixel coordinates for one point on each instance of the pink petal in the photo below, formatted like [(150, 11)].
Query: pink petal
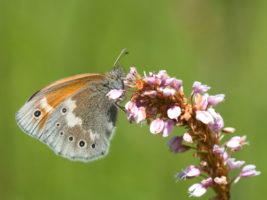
[(176, 146), (234, 164), (199, 88), (150, 93), (214, 100), (187, 138), (168, 91), (168, 127), (197, 190), (157, 126), (174, 83), (114, 94), (141, 115), (204, 116), (174, 112)]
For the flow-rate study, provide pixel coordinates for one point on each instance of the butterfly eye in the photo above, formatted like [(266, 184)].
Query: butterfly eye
[(37, 113), (81, 143), (63, 110)]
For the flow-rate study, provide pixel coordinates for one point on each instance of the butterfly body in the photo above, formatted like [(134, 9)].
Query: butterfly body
[(73, 116)]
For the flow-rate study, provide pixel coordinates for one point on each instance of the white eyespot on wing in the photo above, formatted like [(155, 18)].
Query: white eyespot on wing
[(72, 120)]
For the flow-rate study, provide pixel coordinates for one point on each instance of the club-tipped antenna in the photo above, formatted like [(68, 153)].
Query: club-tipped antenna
[(122, 53)]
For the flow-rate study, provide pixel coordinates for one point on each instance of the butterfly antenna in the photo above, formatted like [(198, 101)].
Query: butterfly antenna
[(123, 53)]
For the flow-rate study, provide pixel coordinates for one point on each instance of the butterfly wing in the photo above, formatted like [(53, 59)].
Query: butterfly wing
[(72, 116)]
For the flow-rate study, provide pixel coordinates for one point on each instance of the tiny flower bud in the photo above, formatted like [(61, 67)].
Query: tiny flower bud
[(247, 171), (150, 93), (214, 100), (168, 127), (220, 180), (236, 142), (228, 130), (204, 116), (168, 92), (157, 126), (232, 164), (198, 190), (152, 80), (199, 88), (174, 83), (187, 138), (190, 172), (217, 122), (174, 112), (176, 146)]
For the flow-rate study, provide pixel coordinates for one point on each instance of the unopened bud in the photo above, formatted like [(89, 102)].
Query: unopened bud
[(220, 180), (228, 130)]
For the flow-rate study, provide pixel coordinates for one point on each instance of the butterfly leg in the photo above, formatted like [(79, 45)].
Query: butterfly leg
[(116, 103)]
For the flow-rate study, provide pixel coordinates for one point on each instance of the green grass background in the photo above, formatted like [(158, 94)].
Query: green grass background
[(221, 43)]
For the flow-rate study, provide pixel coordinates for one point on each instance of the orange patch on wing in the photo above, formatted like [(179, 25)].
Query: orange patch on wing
[(62, 92)]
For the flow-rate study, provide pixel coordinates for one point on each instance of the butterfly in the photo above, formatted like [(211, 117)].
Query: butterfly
[(73, 116)]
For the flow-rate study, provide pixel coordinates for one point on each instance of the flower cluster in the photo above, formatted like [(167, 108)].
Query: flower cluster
[(159, 100)]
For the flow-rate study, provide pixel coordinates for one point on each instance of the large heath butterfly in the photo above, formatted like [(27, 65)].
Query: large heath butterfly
[(73, 116)]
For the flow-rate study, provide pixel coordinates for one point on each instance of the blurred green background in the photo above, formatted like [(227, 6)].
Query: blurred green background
[(221, 43)]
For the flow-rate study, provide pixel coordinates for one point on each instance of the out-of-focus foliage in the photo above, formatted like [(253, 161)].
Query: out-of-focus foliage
[(220, 43)]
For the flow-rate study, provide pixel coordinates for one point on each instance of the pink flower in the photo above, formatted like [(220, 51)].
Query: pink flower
[(204, 116), (131, 77), (168, 127), (198, 190), (167, 91), (150, 93), (234, 164), (174, 83), (213, 100), (176, 146), (204, 102), (210, 117), (220, 180), (199, 88), (114, 94), (218, 150), (217, 122), (236, 142), (157, 126), (190, 172), (152, 80), (163, 76), (187, 138), (140, 115), (174, 112), (247, 171), (135, 113)]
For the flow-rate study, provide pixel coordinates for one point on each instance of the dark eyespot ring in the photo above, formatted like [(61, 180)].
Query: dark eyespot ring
[(64, 110), (61, 132), (70, 138), (81, 143), (57, 124), (93, 146), (37, 113)]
